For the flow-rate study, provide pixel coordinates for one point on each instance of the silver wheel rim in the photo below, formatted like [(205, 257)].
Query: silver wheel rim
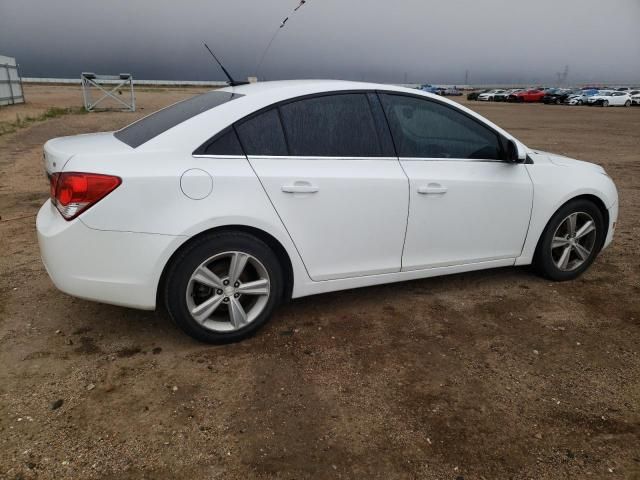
[(228, 291), (573, 241)]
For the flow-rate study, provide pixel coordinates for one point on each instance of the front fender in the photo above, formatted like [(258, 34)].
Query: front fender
[(553, 186)]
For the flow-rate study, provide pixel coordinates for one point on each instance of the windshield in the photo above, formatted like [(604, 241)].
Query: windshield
[(153, 125)]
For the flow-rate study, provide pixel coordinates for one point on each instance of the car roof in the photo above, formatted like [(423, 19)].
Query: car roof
[(292, 87)]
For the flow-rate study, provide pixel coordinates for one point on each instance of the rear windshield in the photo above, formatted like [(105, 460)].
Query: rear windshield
[(153, 125)]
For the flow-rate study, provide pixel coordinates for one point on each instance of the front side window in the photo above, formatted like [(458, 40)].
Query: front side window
[(340, 125), (427, 129)]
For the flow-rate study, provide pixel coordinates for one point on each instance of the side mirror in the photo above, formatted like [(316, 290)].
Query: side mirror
[(512, 155)]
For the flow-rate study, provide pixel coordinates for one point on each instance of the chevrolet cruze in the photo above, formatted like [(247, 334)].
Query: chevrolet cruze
[(224, 205)]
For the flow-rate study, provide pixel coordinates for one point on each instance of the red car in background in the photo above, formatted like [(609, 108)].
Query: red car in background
[(527, 96)]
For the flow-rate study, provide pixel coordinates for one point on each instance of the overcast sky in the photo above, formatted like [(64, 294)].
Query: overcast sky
[(496, 41)]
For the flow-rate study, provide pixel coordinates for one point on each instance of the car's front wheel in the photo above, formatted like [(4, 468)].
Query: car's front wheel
[(572, 239), (223, 287), (627, 103)]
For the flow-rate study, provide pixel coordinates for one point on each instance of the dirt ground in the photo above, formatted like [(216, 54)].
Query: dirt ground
[(488, 375)]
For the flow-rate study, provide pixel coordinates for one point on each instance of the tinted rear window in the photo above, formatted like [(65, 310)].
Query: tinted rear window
[(340, 125), (225, 143), (153, 125), (263, 135)]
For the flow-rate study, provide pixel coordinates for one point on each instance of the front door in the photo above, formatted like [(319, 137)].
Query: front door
[(466, 205)]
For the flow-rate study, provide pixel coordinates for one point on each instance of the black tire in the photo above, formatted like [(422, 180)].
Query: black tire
[(627, 103), (193, 255), (543, 260)]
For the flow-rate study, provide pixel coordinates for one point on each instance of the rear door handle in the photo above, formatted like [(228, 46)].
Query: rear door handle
[(432, 189), (300, 187)]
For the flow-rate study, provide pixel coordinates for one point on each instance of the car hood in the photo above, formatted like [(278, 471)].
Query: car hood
[(562, 161)]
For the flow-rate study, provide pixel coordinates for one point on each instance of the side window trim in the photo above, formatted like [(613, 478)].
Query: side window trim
[(384, 154), (499, 137)]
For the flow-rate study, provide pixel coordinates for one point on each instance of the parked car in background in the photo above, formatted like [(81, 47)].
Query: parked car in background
[(474, 95), (610, 98), (490, 95), (558, 96), (428, 88), (225, 205), (504, 96), (635, 99), (452, 92), (581, 97), (528, 96)]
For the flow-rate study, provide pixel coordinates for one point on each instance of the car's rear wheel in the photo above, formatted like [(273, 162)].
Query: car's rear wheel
[(627, 103), (223, 287), (571, 241), (580, 102), (605, 103)]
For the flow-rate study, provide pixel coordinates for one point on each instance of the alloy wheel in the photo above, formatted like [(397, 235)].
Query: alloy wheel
[(573, 241), (228, 291)]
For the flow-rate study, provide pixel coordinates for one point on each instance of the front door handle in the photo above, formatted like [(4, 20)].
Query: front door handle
[(300, 187), (432, 189)]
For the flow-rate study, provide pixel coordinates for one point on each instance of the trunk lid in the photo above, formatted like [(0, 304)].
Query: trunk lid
[(58, 151)]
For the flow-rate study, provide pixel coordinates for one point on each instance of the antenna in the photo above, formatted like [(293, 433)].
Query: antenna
[(275, 34), (231, 81)]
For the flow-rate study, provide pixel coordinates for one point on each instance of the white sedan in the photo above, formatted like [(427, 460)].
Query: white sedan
[(610, 98), (490, 96), (223, 206)]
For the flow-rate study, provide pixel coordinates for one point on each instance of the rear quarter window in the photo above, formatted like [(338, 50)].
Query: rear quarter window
[(151, 126)]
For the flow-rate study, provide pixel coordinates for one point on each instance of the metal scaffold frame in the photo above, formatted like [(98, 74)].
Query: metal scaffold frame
[(13, 82), (108, 85)]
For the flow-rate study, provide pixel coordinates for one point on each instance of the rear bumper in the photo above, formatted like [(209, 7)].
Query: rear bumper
[(120, 268)]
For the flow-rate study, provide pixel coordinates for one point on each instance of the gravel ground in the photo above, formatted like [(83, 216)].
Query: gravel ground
[(488, 375)]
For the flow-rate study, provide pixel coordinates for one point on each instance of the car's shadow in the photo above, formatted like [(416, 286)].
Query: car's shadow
[(115, 330)]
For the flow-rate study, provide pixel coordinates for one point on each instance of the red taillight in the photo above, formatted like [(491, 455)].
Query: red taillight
[(72, 192)]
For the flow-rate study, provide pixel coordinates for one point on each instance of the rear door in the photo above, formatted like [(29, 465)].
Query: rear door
[(328, 165), (466, 205)]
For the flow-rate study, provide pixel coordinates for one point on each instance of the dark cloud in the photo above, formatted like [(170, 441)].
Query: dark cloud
[(417, 40)]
